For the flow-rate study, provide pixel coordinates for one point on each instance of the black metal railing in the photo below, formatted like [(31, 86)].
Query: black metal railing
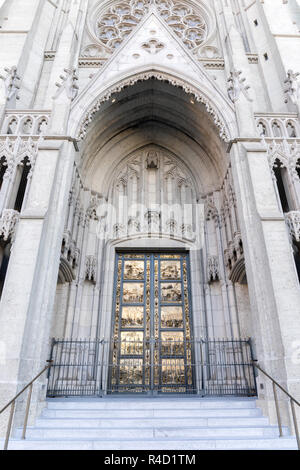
[(208, 368), (12, 404), (227, 368), (292, 400)]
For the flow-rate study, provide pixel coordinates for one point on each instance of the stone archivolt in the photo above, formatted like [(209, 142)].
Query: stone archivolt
[(160, 76)]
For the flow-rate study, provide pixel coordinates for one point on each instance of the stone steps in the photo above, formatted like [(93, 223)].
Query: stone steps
[(121, 423), (150, 422), (284, 443), (150, 432), (163, 413), (150, 404)]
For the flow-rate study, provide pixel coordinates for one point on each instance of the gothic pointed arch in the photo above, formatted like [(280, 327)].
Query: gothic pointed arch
[(139, 58)]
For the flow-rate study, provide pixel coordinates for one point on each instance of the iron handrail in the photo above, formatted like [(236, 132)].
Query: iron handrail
[(12, 403), (293, 401)]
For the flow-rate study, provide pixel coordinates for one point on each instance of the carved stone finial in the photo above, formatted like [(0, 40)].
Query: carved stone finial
[(11, 83), (293, 87), (68, 84), (237, 86)]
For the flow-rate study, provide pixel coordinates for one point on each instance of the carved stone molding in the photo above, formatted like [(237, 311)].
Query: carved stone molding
[(31, 122), (293, 222), (252, 58), (96, 63), (18, 151), (278, 126), (199, 97), (49, 55), (8, 223), (284, 153), (212, 64), (153, 46)]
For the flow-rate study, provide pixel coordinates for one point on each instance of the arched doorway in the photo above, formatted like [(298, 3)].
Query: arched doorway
[(153, 180)]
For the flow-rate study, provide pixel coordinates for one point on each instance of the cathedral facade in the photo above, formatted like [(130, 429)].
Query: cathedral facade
[(150, 197)]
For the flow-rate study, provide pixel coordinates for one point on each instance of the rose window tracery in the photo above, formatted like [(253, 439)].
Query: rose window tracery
[(118, 21)]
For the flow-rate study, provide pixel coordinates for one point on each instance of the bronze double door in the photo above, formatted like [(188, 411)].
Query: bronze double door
[(151, 350)]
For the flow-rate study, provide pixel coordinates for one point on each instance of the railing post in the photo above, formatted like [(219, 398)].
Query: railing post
[(27, 411), (295, 422), (11, 415), (277, 409)]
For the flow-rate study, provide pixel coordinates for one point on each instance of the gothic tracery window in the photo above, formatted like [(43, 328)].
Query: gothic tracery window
[(119, 20)]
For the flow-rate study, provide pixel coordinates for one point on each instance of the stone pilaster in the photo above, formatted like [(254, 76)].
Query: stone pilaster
[(28, 295), (273, 284)]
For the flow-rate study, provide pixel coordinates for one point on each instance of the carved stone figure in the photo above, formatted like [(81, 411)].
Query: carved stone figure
[(11, 83), (237, 86), (68, 84), (293, 87)]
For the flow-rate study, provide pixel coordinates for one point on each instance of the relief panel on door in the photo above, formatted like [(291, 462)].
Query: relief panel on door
[(151, 348)]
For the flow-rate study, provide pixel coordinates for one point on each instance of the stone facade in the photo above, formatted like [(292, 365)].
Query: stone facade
[(158, 124)]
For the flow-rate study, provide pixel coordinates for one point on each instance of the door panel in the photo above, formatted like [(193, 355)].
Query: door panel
[(151, 349)]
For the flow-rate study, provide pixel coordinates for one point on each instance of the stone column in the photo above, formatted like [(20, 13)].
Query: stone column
[(273, 284)]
